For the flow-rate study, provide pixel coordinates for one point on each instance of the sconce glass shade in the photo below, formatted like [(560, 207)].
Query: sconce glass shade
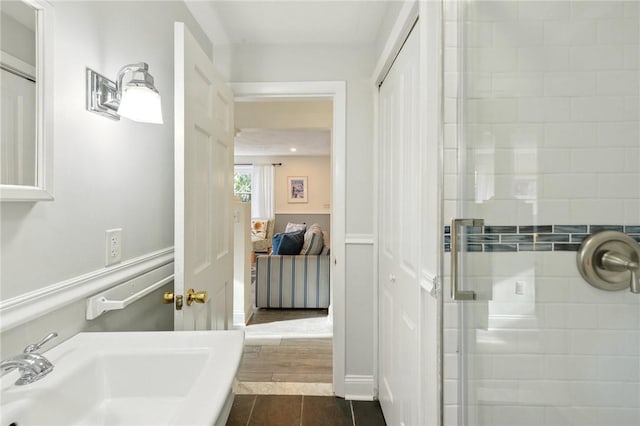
[(136, 99), (140, 104)]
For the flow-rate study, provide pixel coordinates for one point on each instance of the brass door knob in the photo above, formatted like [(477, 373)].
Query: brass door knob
[(169, 297), (196, 296)]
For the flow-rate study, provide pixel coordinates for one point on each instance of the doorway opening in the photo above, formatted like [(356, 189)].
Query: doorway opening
[(295, 331)]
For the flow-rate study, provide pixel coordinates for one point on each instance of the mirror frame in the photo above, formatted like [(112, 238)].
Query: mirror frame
[(43, 189)]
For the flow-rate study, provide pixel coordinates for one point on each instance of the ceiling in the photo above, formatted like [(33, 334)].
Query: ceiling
[(344, 22), (352, 22), (278, 142), (283, 127)]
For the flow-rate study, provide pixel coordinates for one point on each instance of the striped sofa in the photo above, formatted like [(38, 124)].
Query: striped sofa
[(293, 281)]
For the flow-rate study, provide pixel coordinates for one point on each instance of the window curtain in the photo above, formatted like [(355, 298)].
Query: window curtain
[(262, 193)]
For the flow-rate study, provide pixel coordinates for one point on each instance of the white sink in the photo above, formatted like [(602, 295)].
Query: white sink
[(144, 378)]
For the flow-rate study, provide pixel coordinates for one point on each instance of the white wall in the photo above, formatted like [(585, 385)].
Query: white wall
[(107, 174), (242, 294), (318, 173), (552, 123), (354, 65), (214, 30), (386, 26), (17, 40)]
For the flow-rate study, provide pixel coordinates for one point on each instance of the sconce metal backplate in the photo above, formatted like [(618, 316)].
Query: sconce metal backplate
[(101, 92)]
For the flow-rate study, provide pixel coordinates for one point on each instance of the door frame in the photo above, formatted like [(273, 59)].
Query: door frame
[(336, 91)]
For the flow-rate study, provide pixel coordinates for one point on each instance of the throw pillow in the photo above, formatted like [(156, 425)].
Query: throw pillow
[(288, 243), (259, 228), (313, 241), (291, 227)]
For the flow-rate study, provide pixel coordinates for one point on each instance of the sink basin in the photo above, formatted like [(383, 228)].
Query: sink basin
[(138, 378)]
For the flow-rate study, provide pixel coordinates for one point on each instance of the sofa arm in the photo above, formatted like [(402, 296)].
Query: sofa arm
[(260, 244), (292, 281)]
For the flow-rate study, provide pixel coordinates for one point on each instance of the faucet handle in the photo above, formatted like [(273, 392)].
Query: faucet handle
[(35, 346), (613, 261)]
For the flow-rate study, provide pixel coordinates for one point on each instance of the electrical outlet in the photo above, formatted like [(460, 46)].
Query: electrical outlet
[(113, 246)]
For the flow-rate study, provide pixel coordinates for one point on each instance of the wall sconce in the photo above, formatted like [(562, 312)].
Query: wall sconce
[(137, 99)]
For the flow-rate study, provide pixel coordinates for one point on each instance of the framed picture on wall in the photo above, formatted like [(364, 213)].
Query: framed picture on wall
[(297, 190)]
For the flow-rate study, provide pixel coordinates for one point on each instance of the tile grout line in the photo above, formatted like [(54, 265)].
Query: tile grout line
[(353, 416), (255, 398)]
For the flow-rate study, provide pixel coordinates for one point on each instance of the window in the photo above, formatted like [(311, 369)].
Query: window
[(242, 183)]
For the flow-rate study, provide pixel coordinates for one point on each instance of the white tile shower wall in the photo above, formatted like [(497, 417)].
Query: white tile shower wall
[(552, 134)]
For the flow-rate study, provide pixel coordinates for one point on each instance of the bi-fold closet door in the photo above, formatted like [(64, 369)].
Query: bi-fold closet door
[(399, 243)]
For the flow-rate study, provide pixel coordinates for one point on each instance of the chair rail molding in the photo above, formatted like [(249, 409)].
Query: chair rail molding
[(299, 212), (28, 306), (359, 239)]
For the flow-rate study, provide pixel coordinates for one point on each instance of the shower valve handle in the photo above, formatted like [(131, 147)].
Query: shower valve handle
[(610, 260), (613, 261)]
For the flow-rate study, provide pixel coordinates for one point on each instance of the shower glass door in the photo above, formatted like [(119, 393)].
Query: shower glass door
[(542, 143)]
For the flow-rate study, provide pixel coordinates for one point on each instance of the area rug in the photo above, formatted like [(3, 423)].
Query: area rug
[(319, 327)]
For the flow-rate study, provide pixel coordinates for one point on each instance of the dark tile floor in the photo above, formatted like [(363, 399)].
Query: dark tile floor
[(297, 410)]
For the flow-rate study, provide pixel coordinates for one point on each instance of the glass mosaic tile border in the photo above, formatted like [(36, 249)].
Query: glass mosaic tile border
[(492, 238)]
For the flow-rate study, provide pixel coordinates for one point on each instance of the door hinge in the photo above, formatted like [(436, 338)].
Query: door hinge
[(435, 289)]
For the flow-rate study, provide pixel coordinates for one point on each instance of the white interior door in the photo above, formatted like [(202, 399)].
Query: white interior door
[(400, 238), (203, 188)]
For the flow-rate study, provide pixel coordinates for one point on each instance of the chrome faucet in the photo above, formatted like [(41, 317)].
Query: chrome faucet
[(32, 366)]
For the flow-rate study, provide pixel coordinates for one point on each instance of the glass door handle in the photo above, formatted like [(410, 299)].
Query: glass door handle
[(456, 224)]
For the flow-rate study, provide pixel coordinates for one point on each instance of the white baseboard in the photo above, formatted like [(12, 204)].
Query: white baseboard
[(359, 388), (238, 318), (247, 315), (26, 307)]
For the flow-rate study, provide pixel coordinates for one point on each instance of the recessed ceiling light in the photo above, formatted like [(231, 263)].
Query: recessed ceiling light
[(292, 149)]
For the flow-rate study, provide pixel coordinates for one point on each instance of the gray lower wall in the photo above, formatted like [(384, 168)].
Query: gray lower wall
[(147, 314)]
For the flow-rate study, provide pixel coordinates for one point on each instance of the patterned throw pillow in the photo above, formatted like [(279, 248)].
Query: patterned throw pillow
[(259, 228), (313, 241), (291, 227), (288, 243)]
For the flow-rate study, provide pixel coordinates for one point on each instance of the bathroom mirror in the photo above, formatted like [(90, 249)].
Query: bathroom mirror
[(26, 67)]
